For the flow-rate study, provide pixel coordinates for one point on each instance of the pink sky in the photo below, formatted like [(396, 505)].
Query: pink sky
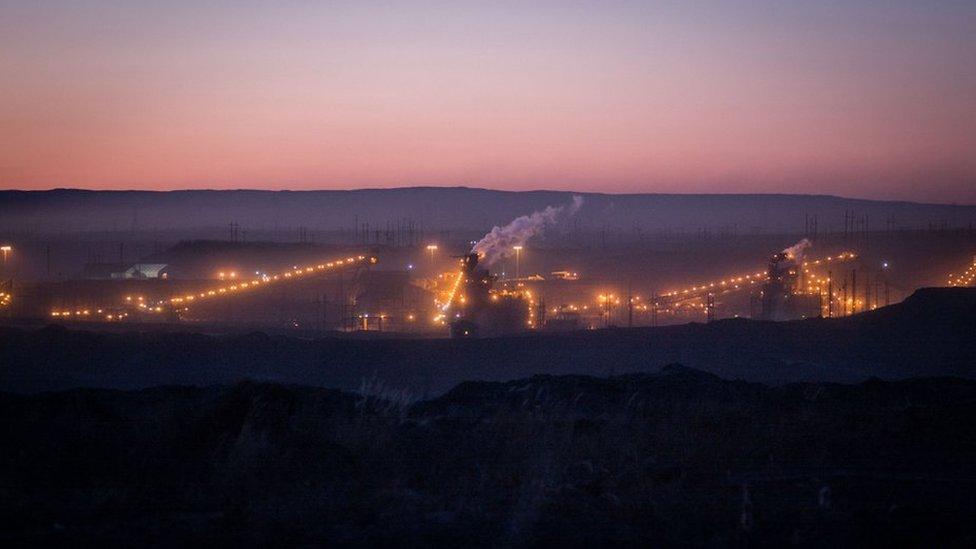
[(864, 99)]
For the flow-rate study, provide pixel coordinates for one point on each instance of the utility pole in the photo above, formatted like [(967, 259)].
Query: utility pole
[(830, 294), (867, 291), (654, 313), (5, 249), (342, 304), (844, 292), (630, 307)]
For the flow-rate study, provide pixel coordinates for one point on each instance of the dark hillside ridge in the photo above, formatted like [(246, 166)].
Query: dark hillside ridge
[(448, 208), (930, 306), (929, 334), (676, 458)]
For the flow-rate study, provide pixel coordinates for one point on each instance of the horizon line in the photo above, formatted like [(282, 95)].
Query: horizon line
[(488, 189)]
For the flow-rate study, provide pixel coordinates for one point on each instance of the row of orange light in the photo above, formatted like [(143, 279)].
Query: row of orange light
[(5, 299), (966, 278), (454, 289), (721, 284), (734, 281), (267, 279), (577, 308), (843, 256), (86, 314), (141, 303)]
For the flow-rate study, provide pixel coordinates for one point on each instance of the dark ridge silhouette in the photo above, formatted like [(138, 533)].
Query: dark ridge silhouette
[(930, 334), (445, 208), (928, 306), (680, 457)]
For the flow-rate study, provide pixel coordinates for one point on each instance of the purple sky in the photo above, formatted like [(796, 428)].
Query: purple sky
[(864, 99)]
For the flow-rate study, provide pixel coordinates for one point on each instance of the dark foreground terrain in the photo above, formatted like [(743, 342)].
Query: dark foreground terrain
[(576, 439), (679, 458), (932, 333)]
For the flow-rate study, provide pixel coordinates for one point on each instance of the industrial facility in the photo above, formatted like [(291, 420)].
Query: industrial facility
[(356, 293), (474, 308), (506, 283)]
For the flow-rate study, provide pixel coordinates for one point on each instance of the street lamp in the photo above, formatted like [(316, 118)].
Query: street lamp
[(606, 301), (6, 249), (518, 254), (431, 248)]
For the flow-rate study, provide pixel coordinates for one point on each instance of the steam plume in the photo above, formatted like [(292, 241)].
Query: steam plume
[(498, 243), (796, 251)]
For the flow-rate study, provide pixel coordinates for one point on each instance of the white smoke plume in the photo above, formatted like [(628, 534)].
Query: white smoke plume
[(498, 243), (797, 251)]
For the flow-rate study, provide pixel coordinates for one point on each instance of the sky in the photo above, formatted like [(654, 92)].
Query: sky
[(873, 99)]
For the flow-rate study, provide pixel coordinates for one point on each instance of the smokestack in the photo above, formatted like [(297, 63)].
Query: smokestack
[(469, 263)]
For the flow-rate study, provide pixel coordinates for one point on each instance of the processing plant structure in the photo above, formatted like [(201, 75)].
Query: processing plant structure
[(783, 296), (477, 310)]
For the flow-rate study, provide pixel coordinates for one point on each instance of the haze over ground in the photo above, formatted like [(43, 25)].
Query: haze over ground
[(455, 209)]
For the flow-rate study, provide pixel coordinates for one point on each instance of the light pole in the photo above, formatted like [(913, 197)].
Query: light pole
[(884, 269), (6, 249), (518, 254), (431, 248), (606, 302)]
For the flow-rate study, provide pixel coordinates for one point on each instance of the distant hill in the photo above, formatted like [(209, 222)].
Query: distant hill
[(449, 208), (929, 334)]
